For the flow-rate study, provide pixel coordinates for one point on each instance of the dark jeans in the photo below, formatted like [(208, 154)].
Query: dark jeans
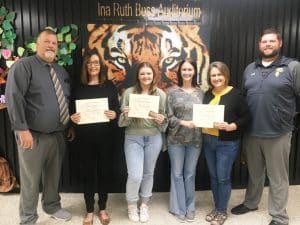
[(220, 156)]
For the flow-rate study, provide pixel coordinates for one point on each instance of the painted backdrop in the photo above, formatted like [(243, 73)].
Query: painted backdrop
[(122, 47)]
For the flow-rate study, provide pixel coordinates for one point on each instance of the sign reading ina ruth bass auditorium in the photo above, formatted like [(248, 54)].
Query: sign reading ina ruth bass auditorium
[(183, 10)]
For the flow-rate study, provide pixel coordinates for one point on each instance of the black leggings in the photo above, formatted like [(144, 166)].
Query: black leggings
[(90, 201), (96, 168)]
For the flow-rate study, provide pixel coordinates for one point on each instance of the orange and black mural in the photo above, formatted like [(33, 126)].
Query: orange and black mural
[(122, 47)]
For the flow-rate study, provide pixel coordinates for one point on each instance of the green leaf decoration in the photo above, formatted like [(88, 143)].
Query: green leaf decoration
[(68, 38), (3, 11), (1, 30), (4, 43), (60, 37), (60, 62), (11, 16), (14, 36), (10, 46), (74, 34), (72, 46), (31, 46), (70, 61), (8, 34), (63, 45), (74, 26), (65, 29), (6, 25), (63, 51), (62, 58), (20, 51)]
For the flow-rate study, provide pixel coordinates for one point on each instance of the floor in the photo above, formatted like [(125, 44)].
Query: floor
[(158, 209)]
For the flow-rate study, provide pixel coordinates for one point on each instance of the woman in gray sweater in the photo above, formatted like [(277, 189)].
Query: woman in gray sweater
[(143, 142)]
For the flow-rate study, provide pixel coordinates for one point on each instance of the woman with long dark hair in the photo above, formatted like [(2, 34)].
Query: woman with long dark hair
[(184, 141)]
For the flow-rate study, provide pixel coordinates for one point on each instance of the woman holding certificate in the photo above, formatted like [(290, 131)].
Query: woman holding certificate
[(221, 142), (143, 115), (95, 138), (184, 141)]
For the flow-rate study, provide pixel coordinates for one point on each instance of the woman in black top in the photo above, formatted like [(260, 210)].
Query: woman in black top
[(96, 139), (221, 142)]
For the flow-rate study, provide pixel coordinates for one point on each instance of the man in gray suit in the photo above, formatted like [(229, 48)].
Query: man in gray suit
[(34, 109)]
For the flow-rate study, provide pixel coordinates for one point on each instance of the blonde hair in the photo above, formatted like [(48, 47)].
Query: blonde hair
[(222, 67)]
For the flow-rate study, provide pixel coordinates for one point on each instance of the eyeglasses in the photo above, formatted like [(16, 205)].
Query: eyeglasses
[(94, 63)]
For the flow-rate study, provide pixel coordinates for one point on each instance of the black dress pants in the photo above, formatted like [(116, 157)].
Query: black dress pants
[(97, 161)]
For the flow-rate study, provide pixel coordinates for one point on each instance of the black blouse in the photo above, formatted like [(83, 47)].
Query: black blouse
[(105, 90), (236, 110)]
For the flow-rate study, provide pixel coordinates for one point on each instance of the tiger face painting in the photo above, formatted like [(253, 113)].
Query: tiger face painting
[(123, 47)]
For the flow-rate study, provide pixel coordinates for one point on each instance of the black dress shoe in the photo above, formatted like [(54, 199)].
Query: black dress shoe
[(273, 222), (241, 209)]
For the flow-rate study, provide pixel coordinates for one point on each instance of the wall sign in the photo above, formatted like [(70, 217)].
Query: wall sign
[(183, 10)]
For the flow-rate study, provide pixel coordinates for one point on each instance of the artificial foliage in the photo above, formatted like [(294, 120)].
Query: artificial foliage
[(66, 36), (7, 33)]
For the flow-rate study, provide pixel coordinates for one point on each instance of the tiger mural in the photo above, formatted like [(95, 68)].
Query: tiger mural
[(123, 47)]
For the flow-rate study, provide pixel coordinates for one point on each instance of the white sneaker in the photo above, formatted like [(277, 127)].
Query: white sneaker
[(133, 213), (144, 213)]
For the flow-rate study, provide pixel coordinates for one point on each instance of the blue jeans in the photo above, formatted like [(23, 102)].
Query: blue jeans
[(141, 154), (183, 170), (220, 156)]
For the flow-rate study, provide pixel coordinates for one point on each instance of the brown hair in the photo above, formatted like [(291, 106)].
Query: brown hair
[(222, 67), (138, 88), (84, 77), (179, 78), (271, 31)]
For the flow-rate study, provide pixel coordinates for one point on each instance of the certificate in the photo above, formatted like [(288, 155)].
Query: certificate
[(140, 106), (92, 110), (205, 115)]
